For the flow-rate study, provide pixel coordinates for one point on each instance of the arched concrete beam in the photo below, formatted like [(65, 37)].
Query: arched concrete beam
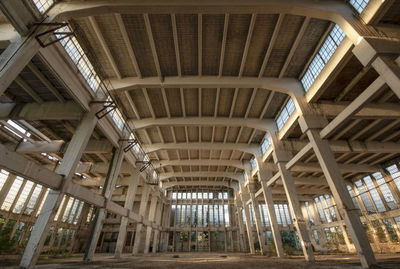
[(255, 150), (203, 174), (232, 163), (333, 10), (263, 125)]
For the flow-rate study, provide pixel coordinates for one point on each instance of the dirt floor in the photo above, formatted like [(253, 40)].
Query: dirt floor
[(214, 261)]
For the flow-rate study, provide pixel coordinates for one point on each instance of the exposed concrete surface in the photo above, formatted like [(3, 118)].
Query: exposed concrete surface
[(216, 261)]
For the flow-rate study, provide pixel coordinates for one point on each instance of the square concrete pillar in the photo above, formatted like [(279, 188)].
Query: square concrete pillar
[(264, 175), (257, 217), (339, 191), (142, 209), (53, 200), (109, 186), (281, 157), (130, 198), (245, 197), (149, 229)]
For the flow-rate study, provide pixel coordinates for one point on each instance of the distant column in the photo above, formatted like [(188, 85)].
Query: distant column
[(142, 211), (130, 199)]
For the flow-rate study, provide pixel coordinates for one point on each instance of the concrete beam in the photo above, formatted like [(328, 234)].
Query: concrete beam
[(19, 165), (93, 146), (344, 146), (344, 168), (285, 85), (353, 108), (22, 48), (60, 63), (368, 111), (201, 174), (336, 11), (252, 149), (19, 14), (46, 111), (197, 183), (264, 125), (205, 162)]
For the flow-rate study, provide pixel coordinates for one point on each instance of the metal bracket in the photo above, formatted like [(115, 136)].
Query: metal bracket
[(145, 165), (52, 30), (109, 106), (131, 144)]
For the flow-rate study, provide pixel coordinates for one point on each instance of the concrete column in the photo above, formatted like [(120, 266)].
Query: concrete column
[(281, 157), (149, 229), (142, 211), (130, 199), (317, 223), (174, 224), (53, 200), (256, 213), (339, 191), (190, 223), (156, 236), (166, 225), (108, 188), (264, 175), (240, 225), (248, 222), (81, 225)]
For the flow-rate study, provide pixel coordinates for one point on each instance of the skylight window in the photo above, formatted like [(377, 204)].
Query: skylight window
[(78, 56), (32, 201), (374, 194), (3, 177), (265, 219), (43, 5), (364, 197), (12, 194), (330, 45), (23, 196), (359, 5), (285, 114), (266, 143), (387, 194), (17, 130), (353, 196), (253, 163)]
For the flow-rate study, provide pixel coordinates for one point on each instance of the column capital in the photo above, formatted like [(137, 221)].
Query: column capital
[(252, 187), (281, 155), (308, 122), (368, 48)]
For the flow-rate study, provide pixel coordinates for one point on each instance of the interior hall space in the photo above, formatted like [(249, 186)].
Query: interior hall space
[(200, 134)]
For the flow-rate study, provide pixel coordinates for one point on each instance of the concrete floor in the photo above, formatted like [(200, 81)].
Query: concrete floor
[(216, 261)]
